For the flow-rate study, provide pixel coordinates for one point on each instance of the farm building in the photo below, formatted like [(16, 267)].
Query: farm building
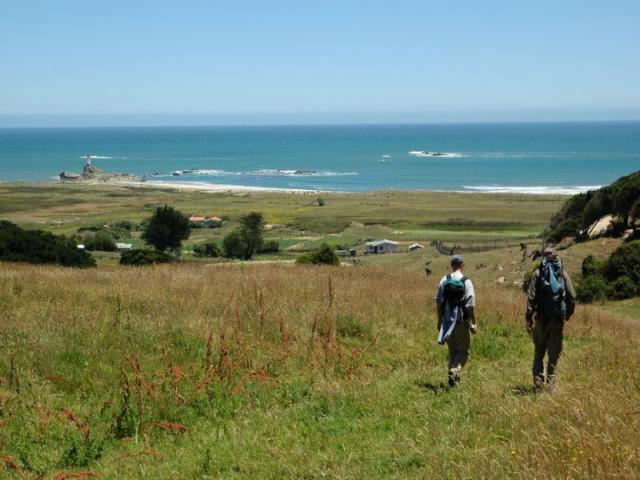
[(124, 247), (205, 221), (414, 246), (381, 246)]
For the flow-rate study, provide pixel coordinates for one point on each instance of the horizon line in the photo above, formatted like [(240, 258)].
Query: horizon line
[(151, 124)]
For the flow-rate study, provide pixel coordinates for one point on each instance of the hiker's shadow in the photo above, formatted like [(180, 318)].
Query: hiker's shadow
[(435, 388)]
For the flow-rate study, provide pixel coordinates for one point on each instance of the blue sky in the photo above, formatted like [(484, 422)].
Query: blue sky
[(323, 61)]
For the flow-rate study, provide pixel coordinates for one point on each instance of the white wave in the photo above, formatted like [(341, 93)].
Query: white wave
[(265, 172), (213, 172), (422, 154), (96, 157), (386, 156), (533, 190)]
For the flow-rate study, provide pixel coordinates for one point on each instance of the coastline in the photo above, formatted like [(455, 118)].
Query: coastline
[(206, 187)]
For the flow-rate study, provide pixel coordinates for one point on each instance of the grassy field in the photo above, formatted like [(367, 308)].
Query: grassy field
[(396, 215), (267, 371), (275, 370)]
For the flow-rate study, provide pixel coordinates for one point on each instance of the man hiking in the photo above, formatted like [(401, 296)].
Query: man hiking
[(455, 301), (550, 303)]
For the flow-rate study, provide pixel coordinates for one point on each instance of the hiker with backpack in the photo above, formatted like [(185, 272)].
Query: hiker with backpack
[(455, 301), (550, 303)]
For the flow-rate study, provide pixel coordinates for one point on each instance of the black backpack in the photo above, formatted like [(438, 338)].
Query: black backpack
[(453, 291)]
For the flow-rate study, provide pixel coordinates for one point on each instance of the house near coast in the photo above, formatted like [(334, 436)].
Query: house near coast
[(381, 246), (205, 221)]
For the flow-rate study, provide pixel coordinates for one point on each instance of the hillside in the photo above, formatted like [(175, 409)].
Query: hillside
[(232, 371)]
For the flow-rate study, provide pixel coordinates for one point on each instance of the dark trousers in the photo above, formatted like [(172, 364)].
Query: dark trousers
[(547, 339)]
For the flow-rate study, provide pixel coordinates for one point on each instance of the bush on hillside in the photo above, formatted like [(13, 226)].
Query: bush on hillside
[(635, 210), (624, 261), (325, 255), (144, 257), (566, 228), (36, 246), (102, 241), (617, 278), (125, 225), (593, 288), (592, 266), (623, 288), (269, 246), (233, 245), (619, 199), (207, 249)]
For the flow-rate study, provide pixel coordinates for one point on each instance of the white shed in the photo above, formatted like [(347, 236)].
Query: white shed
[(381, 246)]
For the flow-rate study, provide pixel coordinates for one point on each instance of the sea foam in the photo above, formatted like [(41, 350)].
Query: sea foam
[(531, 190), (423, 154)]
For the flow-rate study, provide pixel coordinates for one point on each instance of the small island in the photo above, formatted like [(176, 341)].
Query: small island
[(93, 174)]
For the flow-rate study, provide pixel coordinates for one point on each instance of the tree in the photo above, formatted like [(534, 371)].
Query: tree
[(167, 228), (36, 246), (251, 230), (233, 246)]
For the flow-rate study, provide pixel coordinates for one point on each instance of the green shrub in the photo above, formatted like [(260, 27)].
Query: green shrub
[(567, 228), (102, 241), (325, 255), (144, 257), (593, 288), (207, 249), (623, 288), (617, 278), (125, 225), (624, 261), (592, 266), (269, 246), (36, 246), (233, 245), (305, 259)]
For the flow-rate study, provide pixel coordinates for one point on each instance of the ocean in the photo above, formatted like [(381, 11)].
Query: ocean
[(513, 157)]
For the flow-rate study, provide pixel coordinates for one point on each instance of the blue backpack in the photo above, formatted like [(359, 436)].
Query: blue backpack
[(551, 291)]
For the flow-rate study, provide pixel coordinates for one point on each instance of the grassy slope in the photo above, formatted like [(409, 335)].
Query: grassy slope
[(362, 397), (100, 369), (490, 265)]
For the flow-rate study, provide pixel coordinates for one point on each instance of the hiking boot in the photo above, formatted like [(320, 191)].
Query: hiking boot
[(454, 377)]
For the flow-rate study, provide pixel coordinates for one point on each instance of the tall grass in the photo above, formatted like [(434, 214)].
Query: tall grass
[(232, 371)]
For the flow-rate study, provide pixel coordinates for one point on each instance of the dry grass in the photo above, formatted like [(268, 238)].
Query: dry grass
[(296, 372)]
